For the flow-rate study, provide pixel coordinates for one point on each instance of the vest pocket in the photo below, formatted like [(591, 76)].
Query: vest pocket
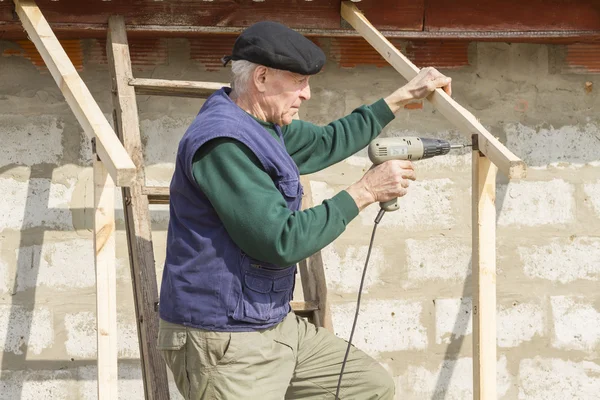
[(266, 292), (291, 188)]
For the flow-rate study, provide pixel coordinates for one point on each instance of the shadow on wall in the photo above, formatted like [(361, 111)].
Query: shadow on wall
[(29, 328)]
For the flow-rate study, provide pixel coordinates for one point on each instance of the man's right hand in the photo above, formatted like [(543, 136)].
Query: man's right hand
[(382, 183)]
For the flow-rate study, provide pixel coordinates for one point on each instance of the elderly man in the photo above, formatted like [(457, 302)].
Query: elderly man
[(236, 230)]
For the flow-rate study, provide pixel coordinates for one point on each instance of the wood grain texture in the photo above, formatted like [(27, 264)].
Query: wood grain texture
[(163, 87), (322, 14), (539, 21), (76, 93), (106, 282), (515, 15), (484, 277), (137, 218)]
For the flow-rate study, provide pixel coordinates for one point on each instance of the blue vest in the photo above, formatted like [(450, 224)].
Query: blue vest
[(208, 281)]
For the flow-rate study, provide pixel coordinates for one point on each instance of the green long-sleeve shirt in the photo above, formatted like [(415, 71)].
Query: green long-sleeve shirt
[(255, 213)]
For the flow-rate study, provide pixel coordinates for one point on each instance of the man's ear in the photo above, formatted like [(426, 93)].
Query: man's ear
[(260, 77)]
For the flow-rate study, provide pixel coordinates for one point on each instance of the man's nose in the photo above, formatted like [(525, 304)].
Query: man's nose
[(305, 93)]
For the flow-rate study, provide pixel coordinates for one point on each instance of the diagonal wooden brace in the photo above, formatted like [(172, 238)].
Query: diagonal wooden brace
[(505, 160), (86, 110)]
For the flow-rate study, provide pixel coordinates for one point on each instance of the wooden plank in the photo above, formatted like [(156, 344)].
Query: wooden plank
[(312, 274), (156, 194), (512, 15), (304, 306), (106, 282), (162, 87), (135, 206), (76, 93), (484, 276), (322, 14), (14, 31), (506, 161)]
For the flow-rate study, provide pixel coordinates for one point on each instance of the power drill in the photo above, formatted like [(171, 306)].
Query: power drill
[(407, 148)]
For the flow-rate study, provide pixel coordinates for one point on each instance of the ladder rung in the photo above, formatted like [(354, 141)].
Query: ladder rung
[(163, 87), (156, 194), (304, 306)]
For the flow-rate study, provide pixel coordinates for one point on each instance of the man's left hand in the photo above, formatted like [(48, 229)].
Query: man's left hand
[(421, 86)]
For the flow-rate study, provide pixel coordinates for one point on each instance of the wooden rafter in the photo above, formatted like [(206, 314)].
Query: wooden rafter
[(504, 159), (86, 110)]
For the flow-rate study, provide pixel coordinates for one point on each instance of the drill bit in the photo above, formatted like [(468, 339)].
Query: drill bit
[(459, 146)]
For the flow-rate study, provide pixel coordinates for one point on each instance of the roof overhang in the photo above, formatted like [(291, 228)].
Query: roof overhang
[(541, 21)]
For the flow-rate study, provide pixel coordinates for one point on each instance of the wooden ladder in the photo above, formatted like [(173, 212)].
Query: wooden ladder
[(138, 197)]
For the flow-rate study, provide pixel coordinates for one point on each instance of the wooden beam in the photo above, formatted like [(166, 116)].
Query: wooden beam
[(156, 194), (10, 30), (106, 282), (506, 161), (304, 306), (76, 93), (137, 219), (484, 276), (162, 87)]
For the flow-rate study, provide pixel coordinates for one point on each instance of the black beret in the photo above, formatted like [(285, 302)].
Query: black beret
[(275, 45)]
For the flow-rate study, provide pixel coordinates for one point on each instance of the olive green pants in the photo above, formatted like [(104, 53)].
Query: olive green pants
[(292, 360)]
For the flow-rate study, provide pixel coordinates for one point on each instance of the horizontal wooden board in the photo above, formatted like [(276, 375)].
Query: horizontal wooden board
[(537, 21), (518, 15), (321, 14)]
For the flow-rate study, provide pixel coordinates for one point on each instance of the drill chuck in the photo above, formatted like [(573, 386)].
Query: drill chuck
[(434, 147)]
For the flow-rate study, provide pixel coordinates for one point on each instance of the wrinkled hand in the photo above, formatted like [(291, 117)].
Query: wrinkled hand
[(421, 86), (382, 183), (426, 81)]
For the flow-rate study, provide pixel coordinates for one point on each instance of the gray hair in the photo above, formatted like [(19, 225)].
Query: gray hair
[(241, 74)]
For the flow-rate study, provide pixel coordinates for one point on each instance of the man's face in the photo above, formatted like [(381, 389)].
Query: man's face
[(284, 92)]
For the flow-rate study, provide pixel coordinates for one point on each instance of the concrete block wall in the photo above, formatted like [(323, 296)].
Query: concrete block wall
[(416, 312)]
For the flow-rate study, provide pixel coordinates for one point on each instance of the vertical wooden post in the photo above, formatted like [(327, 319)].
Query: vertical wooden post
[(106, 284), (312, 274), (137, 217), (484, 276)]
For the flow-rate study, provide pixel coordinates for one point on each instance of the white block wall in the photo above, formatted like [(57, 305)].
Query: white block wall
[(416, 312)]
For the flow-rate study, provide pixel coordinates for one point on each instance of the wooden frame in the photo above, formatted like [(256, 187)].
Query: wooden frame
[(489, 155), (86, 110), (506, 161), (115, 167), (106, 282), (111, 165), (135, 207)]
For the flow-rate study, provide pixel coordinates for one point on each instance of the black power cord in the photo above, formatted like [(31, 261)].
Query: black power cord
[(362, 281)]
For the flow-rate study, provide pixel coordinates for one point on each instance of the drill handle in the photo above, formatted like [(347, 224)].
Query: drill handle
[(391, 205)]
